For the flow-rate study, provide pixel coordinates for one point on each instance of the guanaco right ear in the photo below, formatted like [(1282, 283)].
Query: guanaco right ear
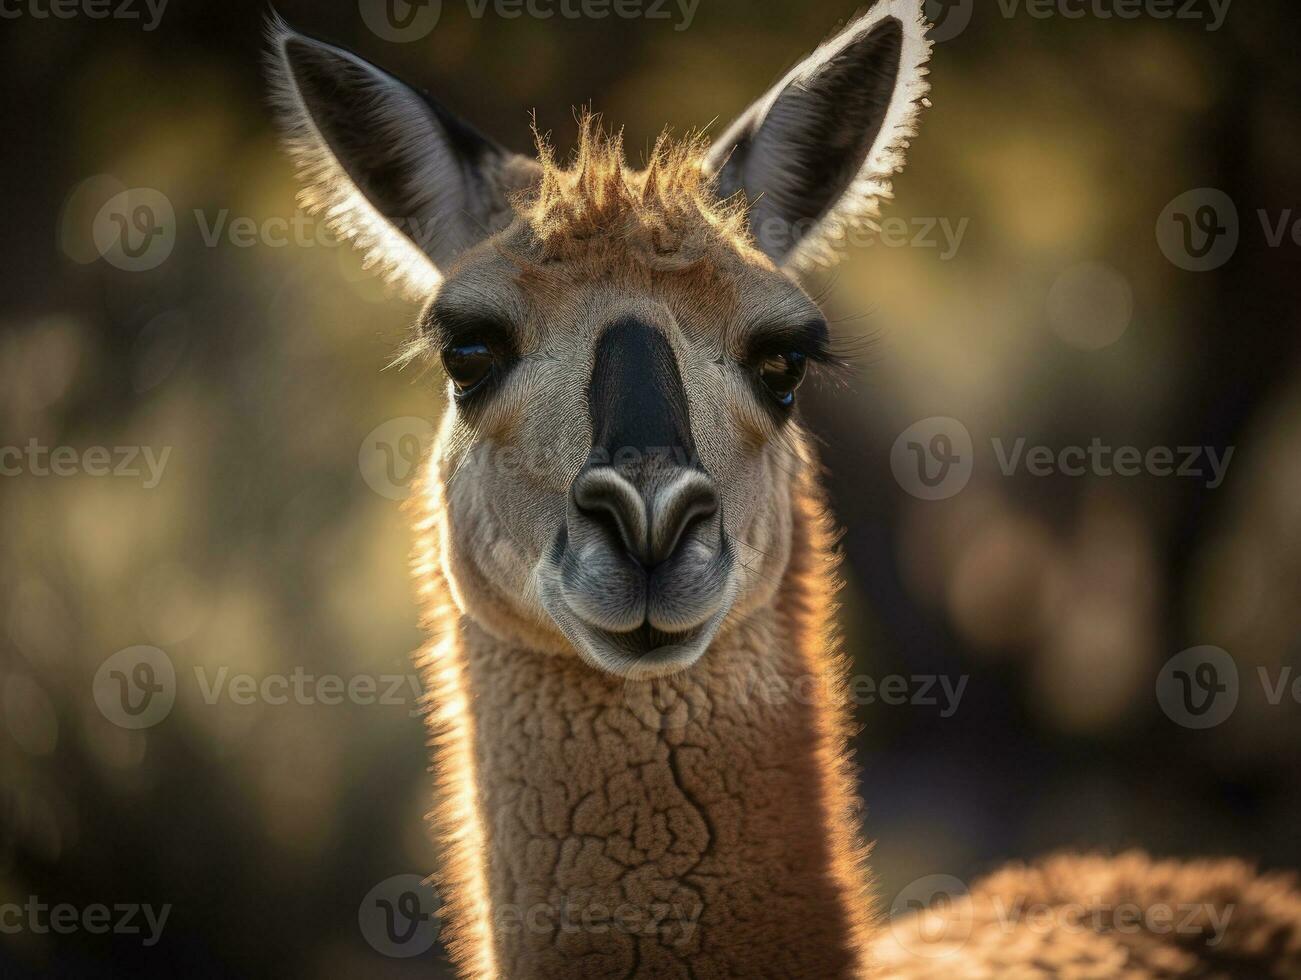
[(390, 169), (815, 155)]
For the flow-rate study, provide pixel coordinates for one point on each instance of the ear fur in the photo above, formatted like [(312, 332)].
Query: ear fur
[(390, 170), (815, 155)]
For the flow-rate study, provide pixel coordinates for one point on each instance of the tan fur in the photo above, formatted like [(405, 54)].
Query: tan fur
[(1099, 918), (713, 810), (600, 814), (704, 824)]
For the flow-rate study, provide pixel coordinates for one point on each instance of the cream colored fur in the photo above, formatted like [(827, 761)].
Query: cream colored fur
[(703, 824)]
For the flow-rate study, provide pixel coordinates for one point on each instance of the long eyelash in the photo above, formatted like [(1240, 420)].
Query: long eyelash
[(420, 349), (811, 340)]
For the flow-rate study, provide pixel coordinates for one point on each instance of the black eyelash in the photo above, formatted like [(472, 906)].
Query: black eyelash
[(811, 338), (448, 327)]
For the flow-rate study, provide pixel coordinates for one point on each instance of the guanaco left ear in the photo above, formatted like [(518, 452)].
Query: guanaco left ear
[(815, 155), (390, 169)]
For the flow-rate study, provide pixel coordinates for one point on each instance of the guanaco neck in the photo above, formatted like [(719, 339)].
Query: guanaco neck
[(696, 826)]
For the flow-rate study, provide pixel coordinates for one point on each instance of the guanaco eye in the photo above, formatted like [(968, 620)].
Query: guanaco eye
[(468, 365), (781, 374)]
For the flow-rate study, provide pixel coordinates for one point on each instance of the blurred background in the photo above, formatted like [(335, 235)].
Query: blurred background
[(1057, 280)]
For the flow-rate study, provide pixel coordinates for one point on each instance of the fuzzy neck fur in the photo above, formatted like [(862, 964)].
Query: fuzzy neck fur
[(698, 826)]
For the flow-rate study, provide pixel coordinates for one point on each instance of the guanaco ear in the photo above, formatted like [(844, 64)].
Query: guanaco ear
[(388, 168), (815, 155)]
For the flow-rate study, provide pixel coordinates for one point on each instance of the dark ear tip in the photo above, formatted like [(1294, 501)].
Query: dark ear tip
[(298, 52)]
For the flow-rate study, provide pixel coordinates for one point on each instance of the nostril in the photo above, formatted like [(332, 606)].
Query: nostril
[(609, 500), (689, 501)]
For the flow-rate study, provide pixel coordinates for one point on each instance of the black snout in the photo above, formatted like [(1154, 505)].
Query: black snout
[(644, 544), (643, 482)]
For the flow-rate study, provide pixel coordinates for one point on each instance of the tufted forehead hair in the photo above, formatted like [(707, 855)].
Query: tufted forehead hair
[(667, 214), (416, 187)]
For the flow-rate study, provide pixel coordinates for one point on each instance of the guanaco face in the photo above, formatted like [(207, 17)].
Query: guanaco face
[(623, 348)]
